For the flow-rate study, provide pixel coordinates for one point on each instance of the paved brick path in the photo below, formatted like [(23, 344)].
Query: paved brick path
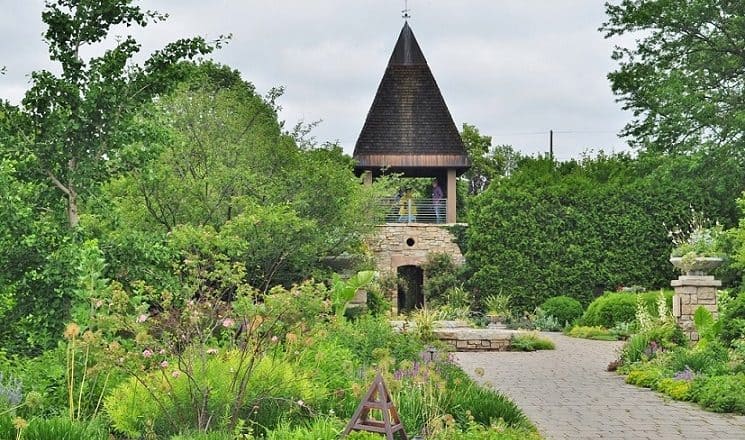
[(568, 395)]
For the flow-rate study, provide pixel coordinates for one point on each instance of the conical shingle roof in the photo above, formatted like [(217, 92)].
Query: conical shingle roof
[(409, 127)]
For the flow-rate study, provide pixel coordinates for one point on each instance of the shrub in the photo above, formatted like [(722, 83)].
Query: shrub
[(204, 436), (675, 388), (368, 334), (442, 275), (647, 376), (733, 321), (319, 429), (709, 359), (563, 308), (613, 308), (596, 332), (648, 344), (273, 390), (720, 393), (542, 321), (530, 342)]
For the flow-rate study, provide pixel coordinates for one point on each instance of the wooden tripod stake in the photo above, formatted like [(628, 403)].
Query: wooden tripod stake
[(377, 398)]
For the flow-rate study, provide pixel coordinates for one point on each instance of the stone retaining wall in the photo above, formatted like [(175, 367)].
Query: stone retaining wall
[(475, 339), (402, 244)]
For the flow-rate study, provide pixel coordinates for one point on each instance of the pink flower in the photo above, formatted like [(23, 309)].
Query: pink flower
[(175, 374), (162, 351), (275, 339), (142, 318), (164, 364), (98, 303), (147, 353), (228, 322)]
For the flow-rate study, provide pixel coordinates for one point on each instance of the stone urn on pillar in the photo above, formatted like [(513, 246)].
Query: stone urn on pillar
[(694, 289)]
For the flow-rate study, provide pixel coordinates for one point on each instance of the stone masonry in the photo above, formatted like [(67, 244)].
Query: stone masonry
[(692, 292), (396, 245), (472, 339)]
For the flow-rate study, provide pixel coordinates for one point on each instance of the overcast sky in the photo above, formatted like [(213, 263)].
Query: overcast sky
[(513, 68)]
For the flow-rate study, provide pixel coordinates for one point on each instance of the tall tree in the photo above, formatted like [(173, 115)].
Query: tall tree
[(684, 79), (489, 161), (82, 117)]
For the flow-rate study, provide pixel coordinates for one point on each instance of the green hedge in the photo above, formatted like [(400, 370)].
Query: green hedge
[(582, 228)]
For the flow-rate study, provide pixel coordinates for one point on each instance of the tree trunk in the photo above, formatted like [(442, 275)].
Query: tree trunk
[(72, 208)]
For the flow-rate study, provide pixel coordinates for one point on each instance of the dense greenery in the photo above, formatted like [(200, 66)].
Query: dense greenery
[(613, 308), (683, 77), (583, 227), (566, 310), (709, 371)]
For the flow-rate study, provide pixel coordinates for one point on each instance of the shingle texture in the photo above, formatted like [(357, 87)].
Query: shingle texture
[(409, 117)]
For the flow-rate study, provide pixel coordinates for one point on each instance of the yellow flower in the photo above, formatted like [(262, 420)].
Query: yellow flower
[(19, 423)]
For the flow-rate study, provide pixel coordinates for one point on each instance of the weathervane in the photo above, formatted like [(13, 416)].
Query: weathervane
[(405, 12)]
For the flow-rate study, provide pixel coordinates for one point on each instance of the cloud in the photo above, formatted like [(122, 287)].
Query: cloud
[(508, 67)]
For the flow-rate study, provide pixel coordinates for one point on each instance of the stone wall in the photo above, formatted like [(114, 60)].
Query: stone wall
[(469, 339), (401, 244)]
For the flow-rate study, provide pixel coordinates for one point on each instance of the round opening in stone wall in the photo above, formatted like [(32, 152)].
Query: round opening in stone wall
[(410, 241)]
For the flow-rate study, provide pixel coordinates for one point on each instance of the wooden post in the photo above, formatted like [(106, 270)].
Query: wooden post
[(451, 215)]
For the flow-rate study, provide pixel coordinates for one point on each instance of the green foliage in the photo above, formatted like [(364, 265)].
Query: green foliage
[(84, 117), (488, 162), (343, 291), (497, 305), (584, 227), (530, 342), (648, 344), (367, 336), (733, 321), (720, 393), (62, 428), (563, 308), (469, 402), (677, 108), (542, 321), (647, 377), (709, 359), (677, 389), (274, 390), (320, 429), (592, 332), (442, 275), (204, 436), (613, 308)]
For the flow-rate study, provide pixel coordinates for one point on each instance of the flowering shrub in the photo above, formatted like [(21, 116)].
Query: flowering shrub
[(697, 238)]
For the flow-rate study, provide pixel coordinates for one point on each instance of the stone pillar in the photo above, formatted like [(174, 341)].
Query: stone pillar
[(451, 216), (692, 292)]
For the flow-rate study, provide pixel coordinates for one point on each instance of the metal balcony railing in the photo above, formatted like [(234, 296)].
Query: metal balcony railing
[(414, 210)]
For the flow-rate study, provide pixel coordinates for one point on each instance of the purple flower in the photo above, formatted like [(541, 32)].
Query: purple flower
[(686, 374)]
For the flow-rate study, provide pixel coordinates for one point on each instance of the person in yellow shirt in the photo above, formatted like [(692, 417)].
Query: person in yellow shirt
[(407, 207)]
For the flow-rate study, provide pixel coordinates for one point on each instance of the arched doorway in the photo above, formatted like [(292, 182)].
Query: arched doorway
[(410, 292)]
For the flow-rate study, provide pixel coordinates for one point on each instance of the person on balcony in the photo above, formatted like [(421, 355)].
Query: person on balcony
[(437, 199), (407, 207)]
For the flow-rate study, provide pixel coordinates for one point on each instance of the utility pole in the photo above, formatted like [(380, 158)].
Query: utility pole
[(551, 144)]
